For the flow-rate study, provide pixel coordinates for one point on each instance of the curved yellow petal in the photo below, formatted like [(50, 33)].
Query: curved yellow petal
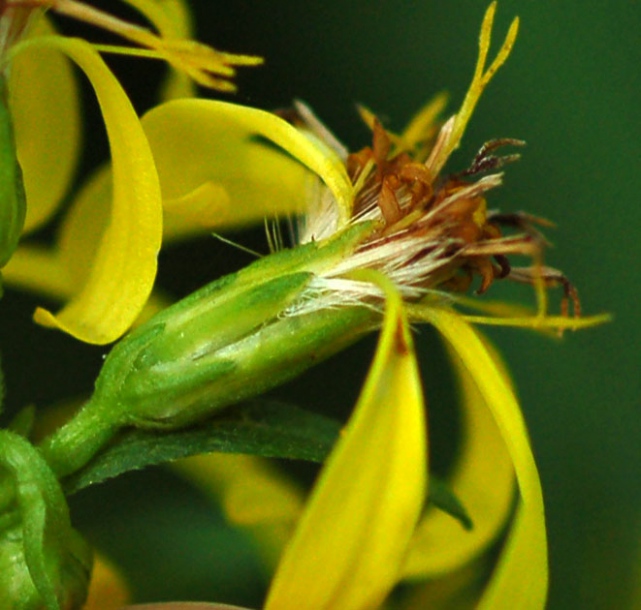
[(348, 547), (124, 269), (81, 233), (208, 151), (60, 271), (44, 101), (483, 479), (39, 270), (84, 225), (520, 579), (196, 213)]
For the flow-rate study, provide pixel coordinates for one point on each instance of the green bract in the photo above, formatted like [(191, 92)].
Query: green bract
[(231, 340), (44, 563)]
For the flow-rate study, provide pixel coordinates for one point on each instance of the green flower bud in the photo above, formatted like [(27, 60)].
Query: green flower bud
[(12, 200), (229, 341), (44, 563)]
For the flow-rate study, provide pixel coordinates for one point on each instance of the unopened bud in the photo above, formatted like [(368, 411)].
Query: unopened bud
[(232, 340), (44, 563)]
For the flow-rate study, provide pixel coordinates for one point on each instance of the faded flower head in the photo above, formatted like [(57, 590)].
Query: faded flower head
[(430, 231)]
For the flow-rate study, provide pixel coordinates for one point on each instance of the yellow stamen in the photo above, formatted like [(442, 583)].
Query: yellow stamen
[(541, 323), (201, 62), (362, 177)]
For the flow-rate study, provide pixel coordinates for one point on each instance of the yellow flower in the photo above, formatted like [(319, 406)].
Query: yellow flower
[(423, 237), (105, 262), (382, 230)]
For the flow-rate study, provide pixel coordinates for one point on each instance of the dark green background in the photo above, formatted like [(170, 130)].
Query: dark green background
[(572, 90)]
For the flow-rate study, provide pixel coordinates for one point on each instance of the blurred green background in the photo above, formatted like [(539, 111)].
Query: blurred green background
[(572, 90)]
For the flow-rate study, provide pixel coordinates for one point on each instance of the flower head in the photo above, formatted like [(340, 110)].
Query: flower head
[(430, 232), (386, 239)]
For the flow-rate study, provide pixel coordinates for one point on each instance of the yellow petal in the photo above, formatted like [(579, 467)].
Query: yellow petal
[(483, 479), (81, 233), (44, 101), (207, 151), (124, 269), (521, 577), (60, 271), (39, 270), (84, 225), (422, 128), (198, 212), (85, 222), (352, 537), (458, 590)]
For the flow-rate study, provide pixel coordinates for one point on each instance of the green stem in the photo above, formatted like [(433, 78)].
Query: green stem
[(70, 447)]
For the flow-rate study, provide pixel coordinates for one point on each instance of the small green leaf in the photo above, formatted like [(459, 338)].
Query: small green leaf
[(268, 429), (443, 498)]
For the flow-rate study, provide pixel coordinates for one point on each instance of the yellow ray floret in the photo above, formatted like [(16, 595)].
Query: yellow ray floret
[(364, 507)]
